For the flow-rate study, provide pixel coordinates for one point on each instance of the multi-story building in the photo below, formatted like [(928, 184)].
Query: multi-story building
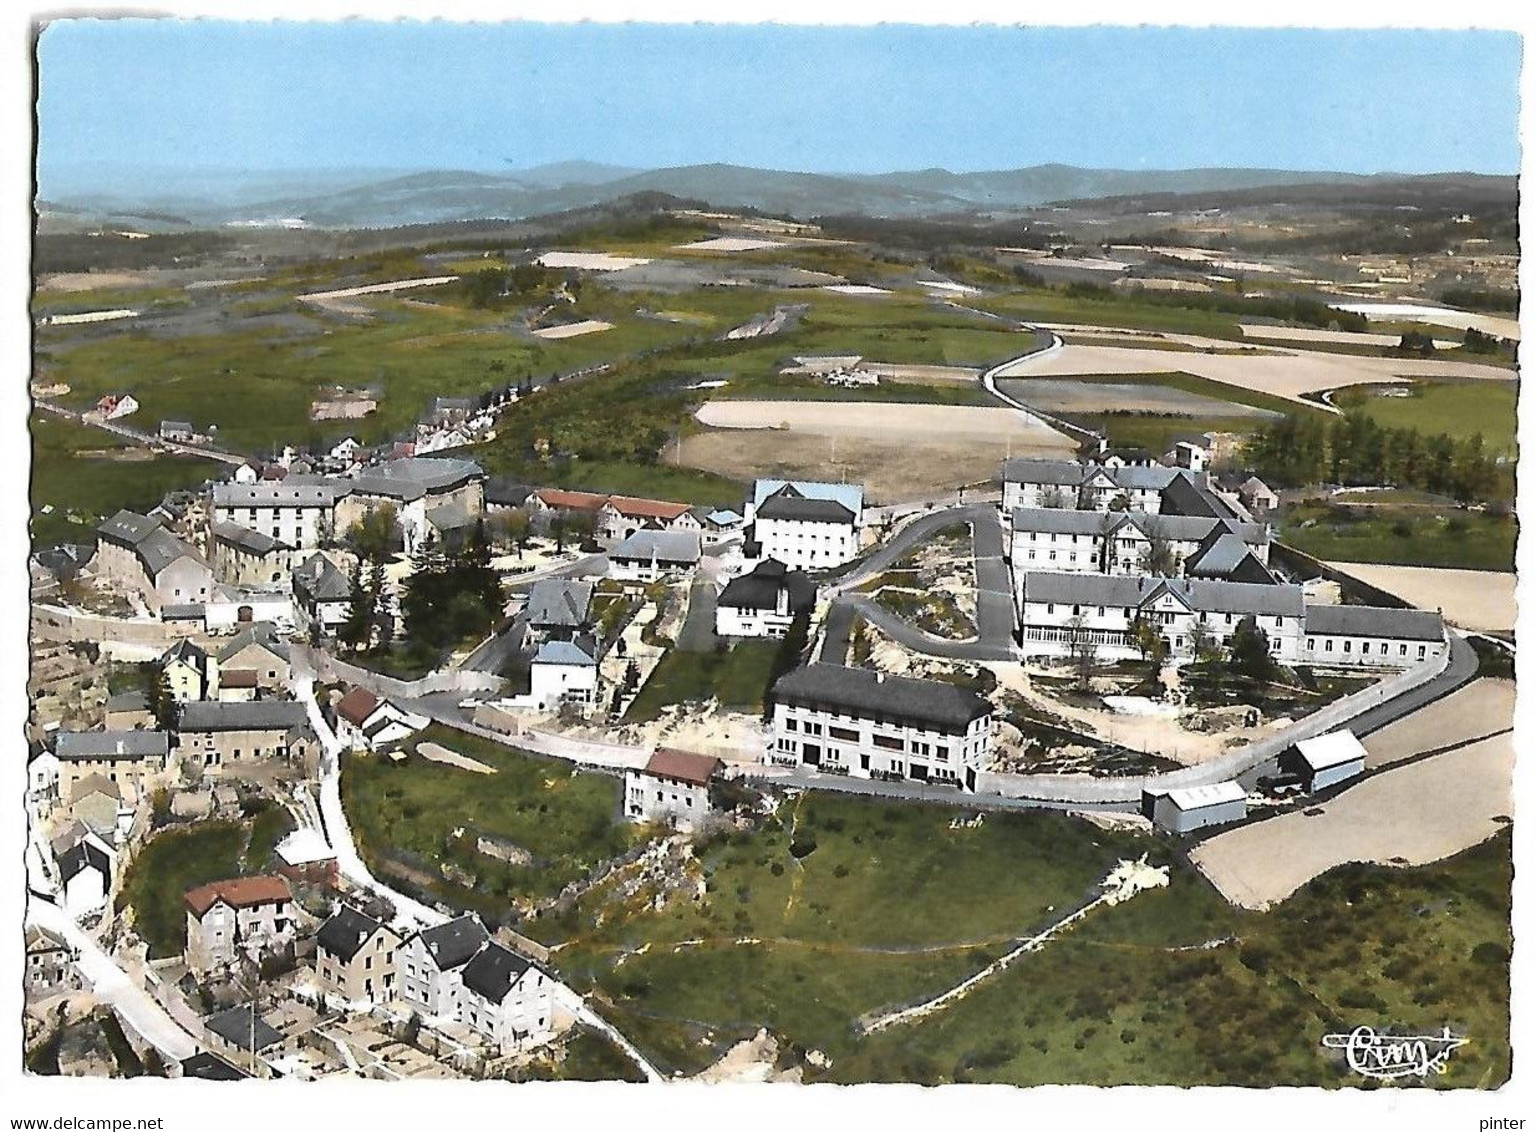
[(124, 758), (649, 556), (807, 531), (672, 788), (430, 962), (231, 919), (190, 672), (355, 956), (298, 511), (763, 602), (415, 486), (557, 610), (225, 737), (507, 999), (140, 555), (1060, 611), (1363, 636), (246, 557), (873, 725)]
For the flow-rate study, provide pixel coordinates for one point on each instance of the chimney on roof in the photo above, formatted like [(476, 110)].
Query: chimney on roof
[(120, 748), (879, 677)]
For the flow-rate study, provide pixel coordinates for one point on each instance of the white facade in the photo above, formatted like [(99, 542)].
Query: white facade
[(806, 544), (1372, 638), (1195, 807), (294, 513), (553, 682)]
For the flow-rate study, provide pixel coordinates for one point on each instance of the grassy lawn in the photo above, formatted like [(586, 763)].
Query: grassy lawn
[(1413, 536), (269, 825), (170, 863), (77, 470), (1457, 408), (736, 677), (405, 814)]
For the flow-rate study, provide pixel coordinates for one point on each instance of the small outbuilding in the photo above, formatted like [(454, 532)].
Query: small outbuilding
[(1189, 808), (1326, 760)]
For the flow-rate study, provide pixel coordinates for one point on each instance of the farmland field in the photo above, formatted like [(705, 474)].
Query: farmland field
[(1457, 408), (1407, 536)]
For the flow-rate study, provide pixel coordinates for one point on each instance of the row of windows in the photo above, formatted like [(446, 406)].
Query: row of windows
[(1382, 648)]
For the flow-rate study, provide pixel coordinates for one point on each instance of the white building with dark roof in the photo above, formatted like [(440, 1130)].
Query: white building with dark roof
[(298, 511), (557, 610), (563, 672), (506, 999), (415, 486), (1056, 610), (649, 556), (764, 602), (322, 591), (808, 531), (429, 964), (1366, 636), (873, 725)]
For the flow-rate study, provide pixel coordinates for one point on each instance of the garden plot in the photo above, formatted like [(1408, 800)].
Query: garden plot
[(1472, 599), (1472, 712), (1411, 815), (1288, 374), (1056, 396)]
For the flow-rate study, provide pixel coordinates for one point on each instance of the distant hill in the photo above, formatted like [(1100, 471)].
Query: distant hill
[(338, 199)]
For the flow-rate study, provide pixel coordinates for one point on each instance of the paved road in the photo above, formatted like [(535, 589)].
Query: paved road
[(698, 630), (784, 777), (994, 597)]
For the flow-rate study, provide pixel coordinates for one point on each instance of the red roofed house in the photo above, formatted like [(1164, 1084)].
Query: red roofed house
[(673, 788), (231, 918), (365, 723), (619, 516)]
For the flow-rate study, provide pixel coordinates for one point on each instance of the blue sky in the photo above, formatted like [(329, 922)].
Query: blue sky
[(187, 94)]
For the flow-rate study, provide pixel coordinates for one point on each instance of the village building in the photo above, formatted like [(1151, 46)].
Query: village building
[(672, 789), (124, 758), (85, 875), (1258, 498), (413, 486), (809, 526), (1186, 809), (429, 964), (322, 592), (557, 610), (507, 999), (241, 1033), (365, 722), (563, 672), (232, 608), (226, 737), (649, 556), (207, 1066), (243, 918), (298, 511), (1366, 636), (258, 655), (245, 557), (178, 431), (42, 774), (128, 711), (355, 956), (50, 964), (96, 806), (873, 725), (303, 857), (1067, 484), (138, 554), (502, 494), (1060, 612), (764, 602), (1325, 760)]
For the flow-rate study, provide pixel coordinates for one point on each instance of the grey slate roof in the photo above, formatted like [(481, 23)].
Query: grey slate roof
[(1184, 496), (562, 652), (344, 934), (1375, 621), (502, 492), (850, 495), (320, 579), (293, 491), (155, 546), (86, 745), (559, 602), (492, 971), (128, 701), (1220, 555), (181, 612), (789, 503), (1064, 521), (258, 634), (246, 539), (211, 1067), (450, 945), (1199, 594), (674, 547), (760, 589), (127, 528), (451, 517), (902, 699), (1143, 477), (1067, 473), (414, 476), (238, 1024), (185, 650), (1192, 528), (250, 715)]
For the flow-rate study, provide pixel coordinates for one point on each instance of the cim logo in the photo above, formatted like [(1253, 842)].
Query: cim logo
[(1386, 1057)]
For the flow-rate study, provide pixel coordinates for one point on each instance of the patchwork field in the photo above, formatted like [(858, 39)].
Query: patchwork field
[(1066, 396), (1306, 334), (1411, 815), (1472, 599)]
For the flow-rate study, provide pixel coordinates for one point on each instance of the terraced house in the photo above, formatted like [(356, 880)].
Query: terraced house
[(226, 737), (355, 956), (507, 999), (872, 725), (1135, 542), (1363, 636), (242, 917), (430, 964), (123, 758)]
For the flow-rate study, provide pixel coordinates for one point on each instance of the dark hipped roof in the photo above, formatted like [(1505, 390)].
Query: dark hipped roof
[(452, 944), (242, 1026), (258, 634), (788, 503), (760, 588), (211, 1067), (344, 934), (321, 580), (900, 699), (1375, 621), (492, 971), (560, 602)]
